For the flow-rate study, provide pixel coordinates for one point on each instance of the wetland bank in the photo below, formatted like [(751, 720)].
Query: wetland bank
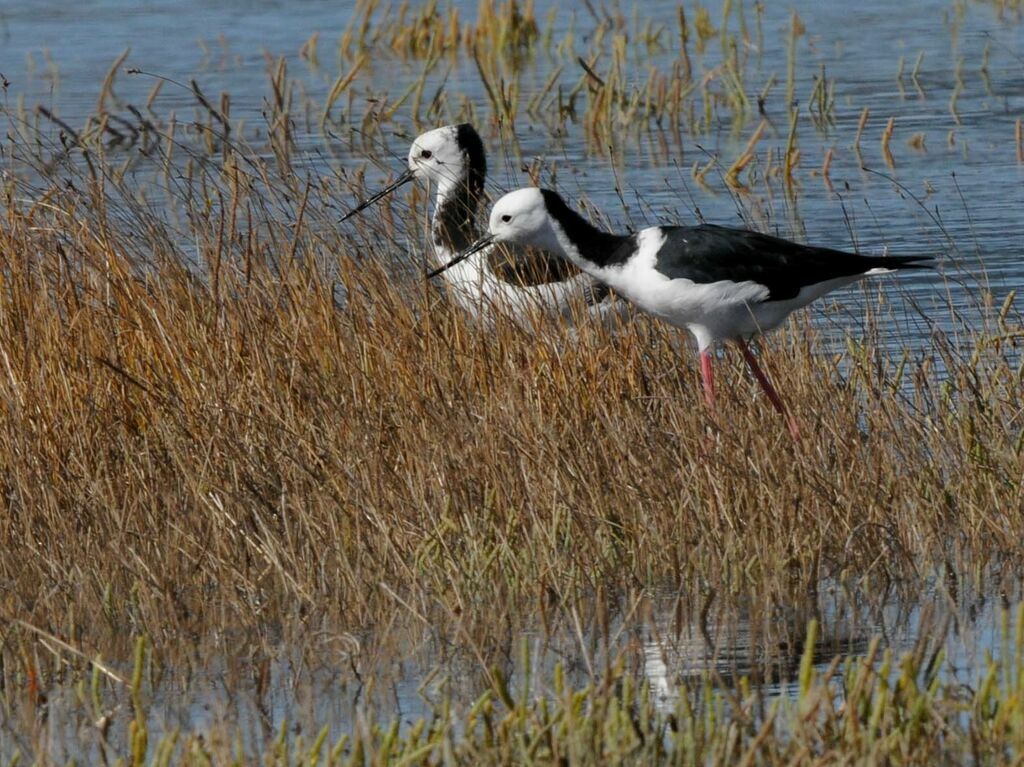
[(269, 498)]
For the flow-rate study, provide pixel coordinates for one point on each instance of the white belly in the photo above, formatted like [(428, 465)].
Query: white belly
[(480, 294)]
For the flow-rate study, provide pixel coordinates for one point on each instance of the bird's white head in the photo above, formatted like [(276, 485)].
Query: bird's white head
[(448, 155), (446, 158), (522, 216)]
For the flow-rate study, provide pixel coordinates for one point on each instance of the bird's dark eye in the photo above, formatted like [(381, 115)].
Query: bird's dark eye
[(506, 218), (426, 154)]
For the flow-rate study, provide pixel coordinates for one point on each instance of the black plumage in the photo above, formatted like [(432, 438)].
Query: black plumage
[(708, 253)]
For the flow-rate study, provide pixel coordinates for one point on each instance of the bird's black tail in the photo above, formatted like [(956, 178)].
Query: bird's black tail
[(903, 262)]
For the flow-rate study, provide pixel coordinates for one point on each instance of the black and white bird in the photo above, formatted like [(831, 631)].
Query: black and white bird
[(510, 280), (719, 283)]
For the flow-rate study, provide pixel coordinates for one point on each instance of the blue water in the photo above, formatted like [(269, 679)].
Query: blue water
[(956, 195), (224, 47)]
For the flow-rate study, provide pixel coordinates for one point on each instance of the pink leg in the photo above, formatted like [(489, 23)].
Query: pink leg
[(709, 382), (766, 385)]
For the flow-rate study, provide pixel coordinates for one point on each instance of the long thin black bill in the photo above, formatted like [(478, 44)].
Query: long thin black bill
[(476, 247), (405, 178)]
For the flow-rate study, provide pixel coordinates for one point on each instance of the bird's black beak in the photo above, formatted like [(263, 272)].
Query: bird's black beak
[(405, 178), (476, 247)]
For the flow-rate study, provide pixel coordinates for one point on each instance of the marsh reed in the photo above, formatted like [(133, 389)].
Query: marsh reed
[(228, 424)]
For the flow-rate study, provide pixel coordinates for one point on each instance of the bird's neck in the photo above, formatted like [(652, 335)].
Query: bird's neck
[(583, 243), (454, 228)]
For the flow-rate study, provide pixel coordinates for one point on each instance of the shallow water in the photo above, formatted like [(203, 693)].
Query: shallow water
[(958, 195), (408, 673)]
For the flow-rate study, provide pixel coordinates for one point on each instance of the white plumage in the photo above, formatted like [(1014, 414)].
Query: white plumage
[(514, 281), (721, 284)]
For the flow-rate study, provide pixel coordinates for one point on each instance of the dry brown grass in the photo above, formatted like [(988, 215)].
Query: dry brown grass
[(228, 427), (216, 438)]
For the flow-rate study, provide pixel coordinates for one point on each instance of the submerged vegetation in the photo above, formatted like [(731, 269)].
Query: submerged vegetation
[(873, 709), (237, 435)]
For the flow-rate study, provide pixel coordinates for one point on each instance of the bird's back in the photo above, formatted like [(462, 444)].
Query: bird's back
[(710, 253)]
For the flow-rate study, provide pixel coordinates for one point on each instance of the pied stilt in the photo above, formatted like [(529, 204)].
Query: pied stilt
[(507, 279), (721, 284)]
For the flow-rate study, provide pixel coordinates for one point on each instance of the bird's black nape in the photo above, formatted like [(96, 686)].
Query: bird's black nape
[(473, 146), (454, 224), (597, 246)]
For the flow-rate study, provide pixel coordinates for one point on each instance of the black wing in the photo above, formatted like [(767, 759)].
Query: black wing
[(710, 253)]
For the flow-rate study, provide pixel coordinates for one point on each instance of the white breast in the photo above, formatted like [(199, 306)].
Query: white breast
[(481, 294), (712, 311)]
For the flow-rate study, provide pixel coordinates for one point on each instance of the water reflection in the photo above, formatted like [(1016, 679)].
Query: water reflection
[(672, 642)]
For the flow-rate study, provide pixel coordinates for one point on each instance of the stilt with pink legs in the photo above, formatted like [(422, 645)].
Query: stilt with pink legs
[(719, 283), (708, 378)]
